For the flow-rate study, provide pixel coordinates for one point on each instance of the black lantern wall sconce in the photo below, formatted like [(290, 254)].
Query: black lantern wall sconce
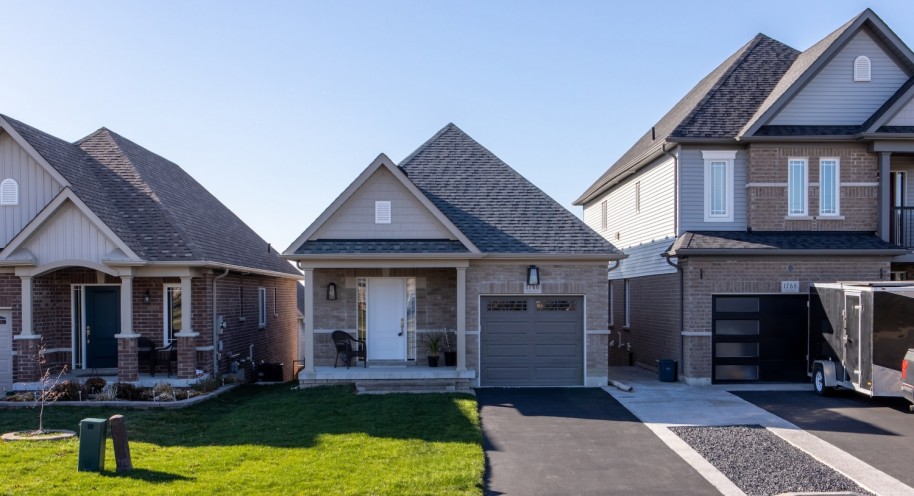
[(146, 297), (331, 291), (533, 275)]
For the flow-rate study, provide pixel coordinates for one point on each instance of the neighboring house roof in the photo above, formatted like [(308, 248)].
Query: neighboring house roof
[(782, 243), (158, 210)]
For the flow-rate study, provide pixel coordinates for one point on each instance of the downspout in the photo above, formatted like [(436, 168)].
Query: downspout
[(216, 326), (681, 307)]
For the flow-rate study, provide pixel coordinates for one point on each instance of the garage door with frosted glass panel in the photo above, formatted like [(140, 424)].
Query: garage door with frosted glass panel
[(759, 337), (532, 341), (6, 350)]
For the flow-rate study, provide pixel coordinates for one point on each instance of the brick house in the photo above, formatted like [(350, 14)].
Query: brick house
[(779, 169), (446, 243), (103, 244)]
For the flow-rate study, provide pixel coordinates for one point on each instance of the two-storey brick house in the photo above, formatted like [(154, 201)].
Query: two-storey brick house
[(779, 169)]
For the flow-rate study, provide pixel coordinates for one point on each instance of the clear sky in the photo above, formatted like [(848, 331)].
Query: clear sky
[(276, 106)]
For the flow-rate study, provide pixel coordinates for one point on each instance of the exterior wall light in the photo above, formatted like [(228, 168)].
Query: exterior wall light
[(533, 276), (331, 291), (146, 297)]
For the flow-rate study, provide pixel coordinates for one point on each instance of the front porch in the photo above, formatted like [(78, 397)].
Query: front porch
[(408, 377)]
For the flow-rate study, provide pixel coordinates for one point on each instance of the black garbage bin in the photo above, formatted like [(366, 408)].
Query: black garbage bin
[(667, 370)]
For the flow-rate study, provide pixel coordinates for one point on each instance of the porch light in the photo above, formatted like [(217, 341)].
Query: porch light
[(533, 276), (331, 291), (146, 297)]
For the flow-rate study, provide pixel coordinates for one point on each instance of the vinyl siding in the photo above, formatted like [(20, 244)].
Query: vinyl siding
[(644, 260), (692, 192), (36, 188), (904, 117), (654, 220), (356, 218), (832, 97), (69, 235)]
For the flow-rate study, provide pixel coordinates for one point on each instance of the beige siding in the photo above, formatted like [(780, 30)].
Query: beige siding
[(655, 219), (356, 218), (832, 97), (36, 188), (904, 117), (69, 235)]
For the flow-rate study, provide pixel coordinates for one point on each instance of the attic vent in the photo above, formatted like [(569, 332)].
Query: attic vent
[(862, 68), (382, 212), (9, 192)]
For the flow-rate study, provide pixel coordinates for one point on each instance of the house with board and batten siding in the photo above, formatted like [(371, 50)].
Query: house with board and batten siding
[(779, 169)]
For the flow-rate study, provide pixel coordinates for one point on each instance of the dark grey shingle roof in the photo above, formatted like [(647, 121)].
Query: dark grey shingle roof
[(152, 204), (379, 246), (780, 240), (494, 206)]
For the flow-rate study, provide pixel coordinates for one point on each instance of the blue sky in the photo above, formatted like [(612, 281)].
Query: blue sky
[(277, 106)]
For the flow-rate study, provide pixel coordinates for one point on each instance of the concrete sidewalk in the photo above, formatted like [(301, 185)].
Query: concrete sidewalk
[(660, 405)]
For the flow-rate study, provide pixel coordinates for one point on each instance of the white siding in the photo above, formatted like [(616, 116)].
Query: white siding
[(692, 193), (644, 260), (36, 188), (832, 97), (904, 117), (69, 235), (654, 221), (355, 219)]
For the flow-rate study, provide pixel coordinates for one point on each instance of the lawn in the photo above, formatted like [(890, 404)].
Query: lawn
[(265, 440)]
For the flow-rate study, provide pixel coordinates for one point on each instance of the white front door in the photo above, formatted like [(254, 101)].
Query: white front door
[(6, 350), (386, 309)]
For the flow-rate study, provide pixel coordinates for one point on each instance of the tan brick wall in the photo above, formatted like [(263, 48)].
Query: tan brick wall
[(654, 330), (767, 205)]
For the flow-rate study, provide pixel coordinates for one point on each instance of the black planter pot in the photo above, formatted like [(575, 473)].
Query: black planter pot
[(433, 361), (450, 358)]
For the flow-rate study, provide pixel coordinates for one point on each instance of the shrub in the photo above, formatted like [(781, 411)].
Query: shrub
[(206, 385), (67, 391), (94, 385), (127, 391)]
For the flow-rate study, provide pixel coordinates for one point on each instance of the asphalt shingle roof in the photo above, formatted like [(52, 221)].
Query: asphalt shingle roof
[(494, 206), (379, 246), (774, 241), (154, 206)]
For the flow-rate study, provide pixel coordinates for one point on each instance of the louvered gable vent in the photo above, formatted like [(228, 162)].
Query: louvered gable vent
[(9, 192), (862, 68), (382, 212)]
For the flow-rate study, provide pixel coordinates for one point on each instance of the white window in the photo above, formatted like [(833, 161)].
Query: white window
[(172, 312), (718, 185), (261, 307), (382, 212), (638, 197), (604, 215), (9, 192), (797, 191), (829, 186), (628, 304), (862, 68), (612, 319)]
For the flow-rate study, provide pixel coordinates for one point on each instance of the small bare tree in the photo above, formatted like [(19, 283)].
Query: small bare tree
[(47, 395)]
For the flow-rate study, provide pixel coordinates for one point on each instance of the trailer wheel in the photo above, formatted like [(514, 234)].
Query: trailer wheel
[(818, 381)]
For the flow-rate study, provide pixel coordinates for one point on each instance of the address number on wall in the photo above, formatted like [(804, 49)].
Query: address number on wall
[(790, 286)]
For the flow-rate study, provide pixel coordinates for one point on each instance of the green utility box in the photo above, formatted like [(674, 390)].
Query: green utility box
[(92, 433)]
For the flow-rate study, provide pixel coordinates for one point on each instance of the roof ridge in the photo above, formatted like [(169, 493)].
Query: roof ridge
[(429, 141)]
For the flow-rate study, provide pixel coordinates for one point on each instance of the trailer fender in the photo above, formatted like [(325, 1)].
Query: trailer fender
[(828, 368)]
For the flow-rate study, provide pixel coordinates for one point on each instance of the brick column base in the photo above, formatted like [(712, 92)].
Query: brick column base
[(128, 366), (696, 368), (187, 356), (27, 367)]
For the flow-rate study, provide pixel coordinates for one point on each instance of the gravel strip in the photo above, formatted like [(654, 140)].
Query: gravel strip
[(761, 463)]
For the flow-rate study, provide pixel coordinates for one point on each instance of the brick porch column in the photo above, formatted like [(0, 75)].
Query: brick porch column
[(187, 354), (127, 362), (27, 367)]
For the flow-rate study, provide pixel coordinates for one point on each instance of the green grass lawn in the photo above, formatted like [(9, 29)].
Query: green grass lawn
[(264, 440)]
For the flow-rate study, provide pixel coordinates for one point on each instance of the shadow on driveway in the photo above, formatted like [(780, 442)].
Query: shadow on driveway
[(575, 441)]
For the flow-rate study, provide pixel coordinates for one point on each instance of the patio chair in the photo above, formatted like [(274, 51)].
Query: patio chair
[(145, 354), (167, 354), (343, 342)]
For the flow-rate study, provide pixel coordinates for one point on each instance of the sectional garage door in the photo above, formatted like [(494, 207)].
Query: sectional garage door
[(759, 337), (532, 341)]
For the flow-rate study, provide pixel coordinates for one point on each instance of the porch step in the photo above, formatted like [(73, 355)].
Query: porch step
[(412, 386)]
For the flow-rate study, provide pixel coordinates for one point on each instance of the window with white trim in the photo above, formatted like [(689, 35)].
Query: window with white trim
[(612, 319), (797, 190), (382, 212), (172, 312), (9, 192), (829, 186), (261, 307), (862, 68), (719, 185), (628, 303), (604, 215)]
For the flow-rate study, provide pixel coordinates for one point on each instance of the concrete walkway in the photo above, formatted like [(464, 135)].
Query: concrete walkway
[(660, 405)]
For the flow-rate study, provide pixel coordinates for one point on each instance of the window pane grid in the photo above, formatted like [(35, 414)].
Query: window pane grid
[(718, 188), (796, 189), (828, 185)]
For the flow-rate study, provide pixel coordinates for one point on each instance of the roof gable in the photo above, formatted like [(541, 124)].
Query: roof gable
[(6, 126)]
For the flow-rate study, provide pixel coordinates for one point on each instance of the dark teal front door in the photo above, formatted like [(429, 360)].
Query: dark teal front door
[(103, 320)]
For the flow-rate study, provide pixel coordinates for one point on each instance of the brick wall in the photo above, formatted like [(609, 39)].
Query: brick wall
[(654, 330), (767, 204)]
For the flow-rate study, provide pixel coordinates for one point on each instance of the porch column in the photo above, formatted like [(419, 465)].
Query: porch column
[(309, 320), (27, 343), (885, 184), (186, 337), (26, 307), (127, 360), (461, 318)]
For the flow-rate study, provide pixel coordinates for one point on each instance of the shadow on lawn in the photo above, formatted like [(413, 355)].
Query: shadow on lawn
[(278, 416), (146, 475)]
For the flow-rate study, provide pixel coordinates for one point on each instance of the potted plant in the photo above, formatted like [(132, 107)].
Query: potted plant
[(450, 354), (433, 341)]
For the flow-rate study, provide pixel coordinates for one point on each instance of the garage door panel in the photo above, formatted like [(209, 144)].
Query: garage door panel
[(541, 345)]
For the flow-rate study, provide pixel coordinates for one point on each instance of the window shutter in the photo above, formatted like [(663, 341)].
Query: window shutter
[(382, 212), (9, 192), (862, 68)]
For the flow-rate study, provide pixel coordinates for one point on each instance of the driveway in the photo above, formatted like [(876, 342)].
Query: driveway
[(879, 431), (575, 441)]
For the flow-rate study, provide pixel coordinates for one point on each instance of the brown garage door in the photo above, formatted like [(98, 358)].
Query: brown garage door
[(532, 341)]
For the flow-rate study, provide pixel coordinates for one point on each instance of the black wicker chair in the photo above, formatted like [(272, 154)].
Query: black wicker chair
[(343, 342), (150, 356)]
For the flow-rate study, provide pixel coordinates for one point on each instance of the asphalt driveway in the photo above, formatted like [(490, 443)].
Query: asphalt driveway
[(575, 441), (878, 431)]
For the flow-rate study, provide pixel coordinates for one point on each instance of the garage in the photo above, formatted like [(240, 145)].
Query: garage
[(6, 350), (759, 338), (532, 341)]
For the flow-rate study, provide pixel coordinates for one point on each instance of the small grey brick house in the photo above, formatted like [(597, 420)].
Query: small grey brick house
[(442, 243), (779, 169), (103, 242)]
